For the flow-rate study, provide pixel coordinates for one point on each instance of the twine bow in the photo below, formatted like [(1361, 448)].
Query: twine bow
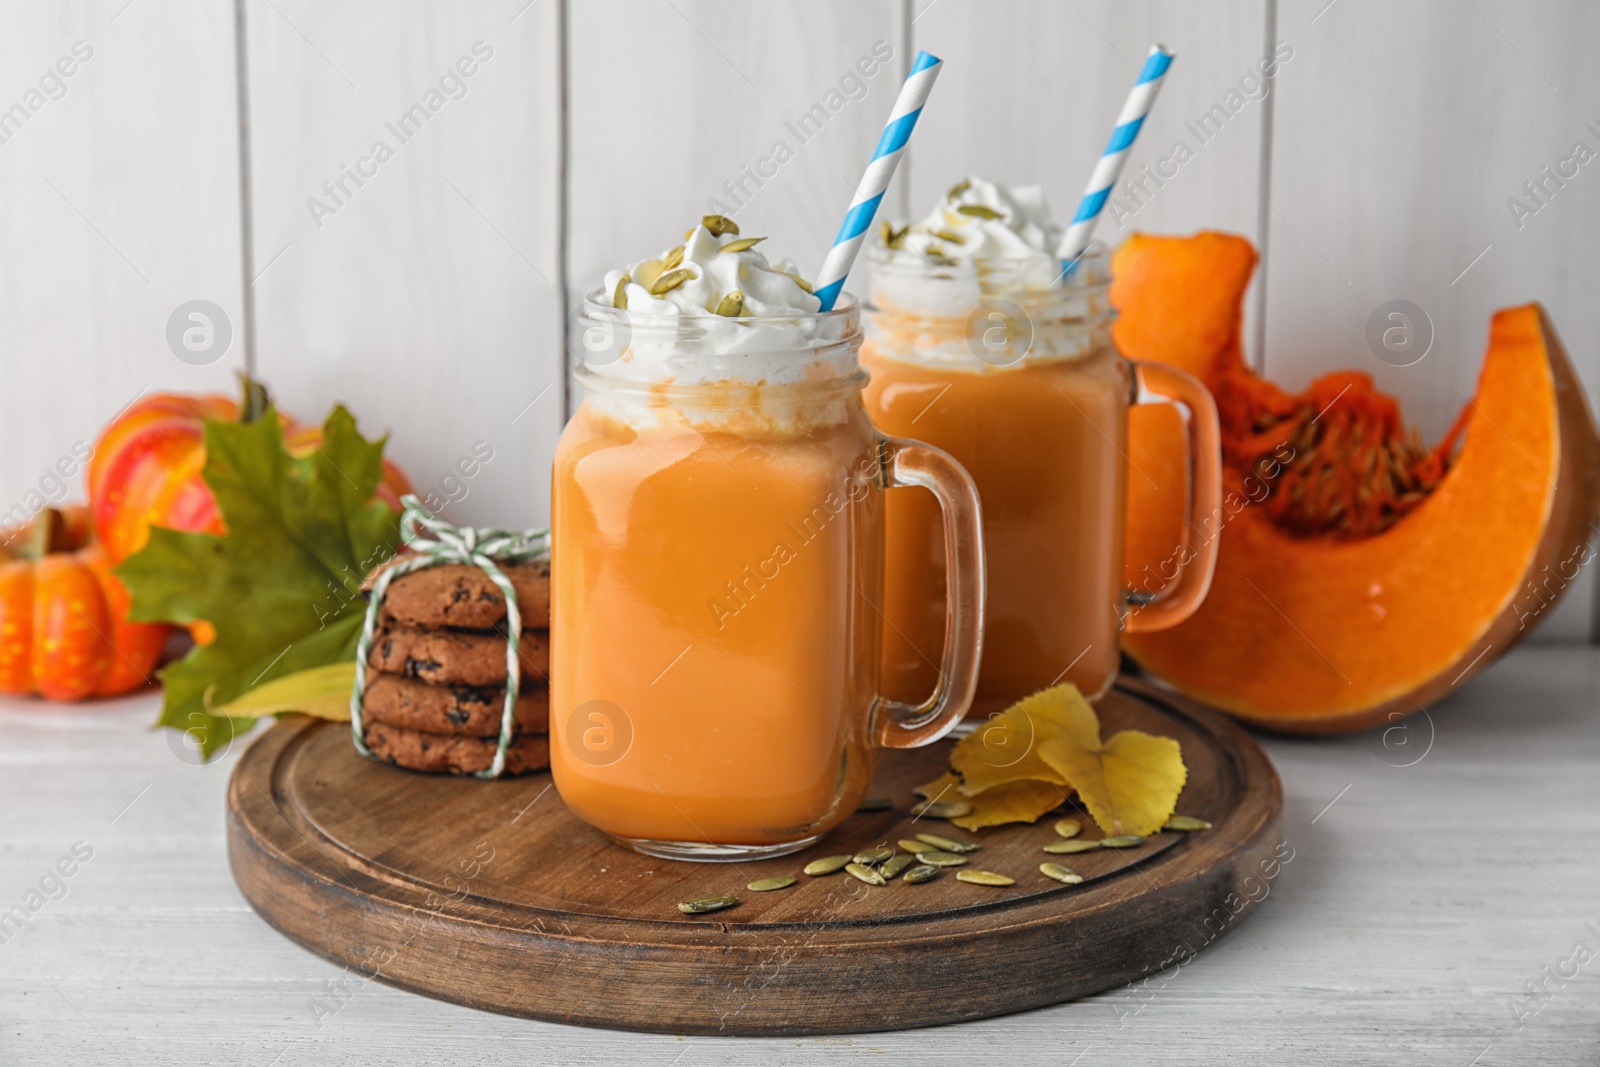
[(452, 544)]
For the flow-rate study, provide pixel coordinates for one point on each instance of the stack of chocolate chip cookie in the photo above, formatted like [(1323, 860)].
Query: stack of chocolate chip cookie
[(436, 674)]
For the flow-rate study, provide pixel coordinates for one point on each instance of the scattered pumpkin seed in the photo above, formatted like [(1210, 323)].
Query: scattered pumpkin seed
[(717, 225), (767, 885), (979, 211), (959, 187), (977, 877), (1122, 841), (875, 804), (801, 282), (669, 281), (866, 874), (1060, 873), (871, 857), (702, 905), (905, 844), (946, 844), (688, 233), (1068, 848), (943, 809), (673, 258), (731, 305), (893, 238), (921, 873), (892, 869), (743, 244), (619, 295), (941, 859), (826, 865), (947, 235), (1068, 827), (1185, 824)]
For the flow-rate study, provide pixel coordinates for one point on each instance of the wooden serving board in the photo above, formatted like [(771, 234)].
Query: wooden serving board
[(494, 895)]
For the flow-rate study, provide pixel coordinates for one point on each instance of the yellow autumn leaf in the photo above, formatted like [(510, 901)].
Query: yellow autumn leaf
[(1023, 800), (1006, 748), (1130, 784), (320, 691), (1025, 761)]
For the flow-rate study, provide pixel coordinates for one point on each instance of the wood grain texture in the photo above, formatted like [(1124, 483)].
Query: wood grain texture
[(495, 895), (427, 300), (1399, 934), (118, 202), (1402, 130)]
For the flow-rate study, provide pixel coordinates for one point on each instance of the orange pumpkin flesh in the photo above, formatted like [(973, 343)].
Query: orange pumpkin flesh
[(1412, 570)]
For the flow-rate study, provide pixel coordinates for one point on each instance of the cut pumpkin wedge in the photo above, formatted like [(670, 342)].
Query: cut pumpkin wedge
[(1395, 573)]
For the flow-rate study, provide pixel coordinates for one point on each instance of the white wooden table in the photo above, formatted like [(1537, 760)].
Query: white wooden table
[(1434, 876)]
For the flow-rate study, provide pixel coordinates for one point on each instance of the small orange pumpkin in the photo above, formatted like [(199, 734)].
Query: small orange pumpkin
[(64, 632), (146, 470)]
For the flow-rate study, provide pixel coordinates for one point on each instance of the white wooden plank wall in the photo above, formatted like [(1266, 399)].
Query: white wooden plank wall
[(430, 297), (118, 202), (428, 300)]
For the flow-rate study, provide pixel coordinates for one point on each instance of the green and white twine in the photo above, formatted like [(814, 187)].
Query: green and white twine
[(482, 548)]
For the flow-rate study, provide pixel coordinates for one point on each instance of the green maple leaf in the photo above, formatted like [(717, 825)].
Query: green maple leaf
[(282, 585)]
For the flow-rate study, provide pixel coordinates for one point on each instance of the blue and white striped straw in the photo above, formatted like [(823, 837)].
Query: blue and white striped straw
[(1109, 168), (875, 182)]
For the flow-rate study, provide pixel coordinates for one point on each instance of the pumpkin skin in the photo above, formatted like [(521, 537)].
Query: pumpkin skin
[(1340, 631), (146, 470), (64, 632)]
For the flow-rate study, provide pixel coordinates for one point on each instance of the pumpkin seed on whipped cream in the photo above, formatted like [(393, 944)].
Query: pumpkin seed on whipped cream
[(713, 263), (984, 223)]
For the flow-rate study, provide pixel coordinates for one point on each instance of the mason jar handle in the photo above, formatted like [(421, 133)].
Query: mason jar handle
[(912, 463), (1158, 383)]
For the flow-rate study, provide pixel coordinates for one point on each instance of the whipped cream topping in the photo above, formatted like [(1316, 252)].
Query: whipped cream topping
[(716, 315), (714, 309), (987, 225), (983, 242)]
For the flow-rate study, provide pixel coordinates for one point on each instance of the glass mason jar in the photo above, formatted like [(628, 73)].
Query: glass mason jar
[(1015, 375), (717, 569)]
